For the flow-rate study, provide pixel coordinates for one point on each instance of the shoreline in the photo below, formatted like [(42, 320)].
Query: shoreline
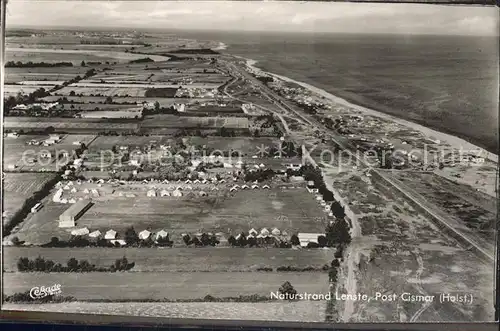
[(452, 140)]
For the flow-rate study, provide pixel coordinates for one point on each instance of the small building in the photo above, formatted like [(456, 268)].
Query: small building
[(69, 216), (177, 193), (306, 238), (151, 193), (143, 235), (253, 231), (264, 232), (276, 232), (266, 187), (164, 193), (255, 186), (110, 235)]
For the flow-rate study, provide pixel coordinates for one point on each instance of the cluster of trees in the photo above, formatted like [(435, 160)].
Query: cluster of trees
[(73, 265), (26, 297), (242, 241), (29, 203), (259, 175), (132, 239), (204, 240), (225, 132), (265, 79), (30, 64), (20, 98), (143, 60)]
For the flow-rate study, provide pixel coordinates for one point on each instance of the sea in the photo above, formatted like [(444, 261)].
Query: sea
[(448, 83)]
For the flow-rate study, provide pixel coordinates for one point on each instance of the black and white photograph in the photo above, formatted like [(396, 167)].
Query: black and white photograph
[(273, 161)]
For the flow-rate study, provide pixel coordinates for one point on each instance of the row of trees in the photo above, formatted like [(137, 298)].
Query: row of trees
[(29, 203), (41, 264), (204, 240), (30, 64)]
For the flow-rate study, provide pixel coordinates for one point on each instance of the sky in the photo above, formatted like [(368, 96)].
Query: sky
[(258, 16)]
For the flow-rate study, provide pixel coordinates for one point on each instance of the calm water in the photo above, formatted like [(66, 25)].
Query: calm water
[(446, 82)]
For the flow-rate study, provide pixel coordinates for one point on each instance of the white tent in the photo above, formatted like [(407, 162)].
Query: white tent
[(264, 232), (162, 234), (253, 231), (80, 232), (276, 232), (255, 186), (177, 193), (95, 234), (244, 186), (165, 193), (203, 194), (266, 186), (111, 234), (73, 190), (151, 193), (143, 235)]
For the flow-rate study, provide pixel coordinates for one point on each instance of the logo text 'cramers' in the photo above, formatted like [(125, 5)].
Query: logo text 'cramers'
[(301, 296), (43, 291)]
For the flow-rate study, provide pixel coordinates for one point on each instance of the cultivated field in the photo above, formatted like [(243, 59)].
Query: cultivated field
[(175, 285), (19, 187), (25, 157), (73, 125), (299, 311), (112, 91), (171, 121), (187, 259)]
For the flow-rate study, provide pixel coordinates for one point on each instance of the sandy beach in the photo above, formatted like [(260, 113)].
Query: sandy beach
[(451, 140)]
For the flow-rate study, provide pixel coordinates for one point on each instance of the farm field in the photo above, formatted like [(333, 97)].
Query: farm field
[(73, 125), (291, 210), (184, 259), (299, 311), (23, 89), (164, 102), (160, 285), (17, 153), (112, 91), (72, 55), (18, 187), (172, 121)]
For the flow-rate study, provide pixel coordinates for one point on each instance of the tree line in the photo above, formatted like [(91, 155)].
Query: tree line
[(41, 264), (30, 64)]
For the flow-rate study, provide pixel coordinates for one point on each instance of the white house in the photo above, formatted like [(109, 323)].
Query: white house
[(306, 238), (110, 234), (143, 235)]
